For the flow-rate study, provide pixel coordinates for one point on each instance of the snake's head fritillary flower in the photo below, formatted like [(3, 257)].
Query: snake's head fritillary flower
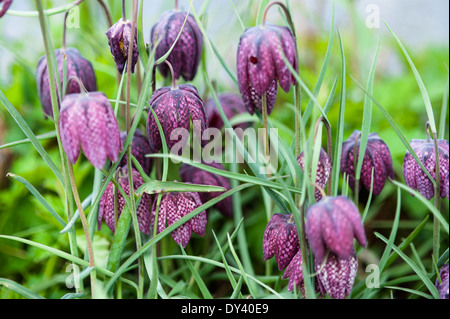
[(280, 239), (139, 149), (194, 175), (176, 205), (260, 64), (106, 206), (175, 107), (232, 105), (4, 4), (332, 224), (377, 157), (77, 66), (416, 178), (119, 40), (186, 54), (442, 285), (87, 122), (337, 275), (324, 167)]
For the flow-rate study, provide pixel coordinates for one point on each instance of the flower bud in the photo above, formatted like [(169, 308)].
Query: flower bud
[(87, 121), (174, 206), (186, 54), (416, 178), (280, 239), (442, 284), (119, 36), (231, 104), (332, 224), (175, 108), (191, 174), (106, 206), (377, 157), (76, 67), (260, 64)]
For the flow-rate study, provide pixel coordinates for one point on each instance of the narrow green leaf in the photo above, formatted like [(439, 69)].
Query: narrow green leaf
[(44, 136), (19, 289), (412, 291), (156, 187), (38, 196), (431, 287), (198, 279), (444, 108), (423, 90), (119, 239), (262, 5)]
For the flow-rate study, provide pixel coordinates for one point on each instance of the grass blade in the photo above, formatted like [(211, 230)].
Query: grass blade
[(19, 289), (198, 279)]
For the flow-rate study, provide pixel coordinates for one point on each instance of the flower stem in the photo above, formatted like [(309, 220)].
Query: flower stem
[(85, 228), (437, 200), (355, 163), (329, 146)]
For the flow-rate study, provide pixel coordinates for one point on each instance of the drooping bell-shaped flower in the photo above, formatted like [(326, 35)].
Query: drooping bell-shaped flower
[(175, 107), (106, 205), (87, 122), (281, 239), (324, 166), (416, 178), (260, 64), (232, 105), (119, 40), (377, 157), (4, 5), (332, 224), (186, 54), (176, 205), (337, 275), (77, 67), (139, 149), (442, 282), (194, 175)]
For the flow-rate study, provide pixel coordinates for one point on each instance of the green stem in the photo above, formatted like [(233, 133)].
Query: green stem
[(85, 227), (129, 166)]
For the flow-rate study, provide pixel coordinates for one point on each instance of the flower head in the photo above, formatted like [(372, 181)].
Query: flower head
[(416, 178), (139, 149), (337, 275), (77, 67), (5, 7), (442, 285), (106, 206), (186, 54), (332, 224), (176, 205), (175, 107), (191, 174), (119, 39), (87, 122), (280, 239), (231, 104), (324, 167), (377, 157), (260, 64)]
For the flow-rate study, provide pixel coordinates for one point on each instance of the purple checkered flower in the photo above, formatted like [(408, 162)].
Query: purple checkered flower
[(324, 167), (186, 54), (232, 105), (139, 149), (176, 205), (119, 36), (332, 224), (377, 156), (77, 67), (280, 239), (106, 206), (5, 6), (337, 275), (87, 122), (175, 107), (442, 285), (416, 178), (260, 64), (194, 175)]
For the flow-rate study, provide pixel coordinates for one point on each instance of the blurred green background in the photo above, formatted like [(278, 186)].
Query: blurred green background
[(421, 25)]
